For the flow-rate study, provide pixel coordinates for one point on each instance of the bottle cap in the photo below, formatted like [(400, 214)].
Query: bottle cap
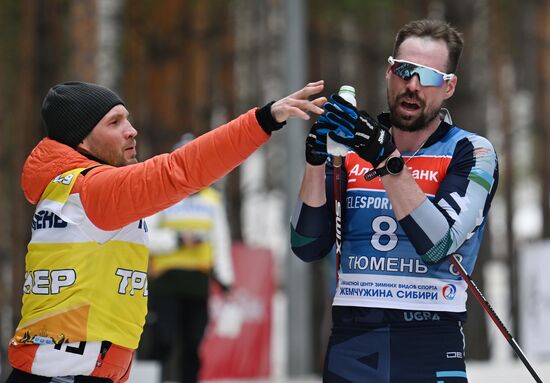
[(347, 88), (347, 92)]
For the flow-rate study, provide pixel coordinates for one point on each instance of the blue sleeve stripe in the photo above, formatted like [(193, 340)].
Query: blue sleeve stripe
[(430, 221), (482, 178), (450, 374)]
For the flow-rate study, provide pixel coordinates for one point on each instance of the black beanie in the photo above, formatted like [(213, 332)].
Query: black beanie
[(72, 109)]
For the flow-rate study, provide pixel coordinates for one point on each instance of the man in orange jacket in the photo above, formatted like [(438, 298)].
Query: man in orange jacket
[(85, 290)]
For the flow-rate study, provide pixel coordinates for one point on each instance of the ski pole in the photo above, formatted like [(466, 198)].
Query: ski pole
[(487, 307), (338, 152)]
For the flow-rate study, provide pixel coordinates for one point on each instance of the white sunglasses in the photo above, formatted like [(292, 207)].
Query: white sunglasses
[(428, 76)]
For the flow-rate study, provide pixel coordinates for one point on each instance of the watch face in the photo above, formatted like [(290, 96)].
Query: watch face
[(394, 165)]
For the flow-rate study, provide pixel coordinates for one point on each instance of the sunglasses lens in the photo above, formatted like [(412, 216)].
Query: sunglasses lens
[(403, 70), (428, 77)]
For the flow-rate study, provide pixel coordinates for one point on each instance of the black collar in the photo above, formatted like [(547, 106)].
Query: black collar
[(90, 157)]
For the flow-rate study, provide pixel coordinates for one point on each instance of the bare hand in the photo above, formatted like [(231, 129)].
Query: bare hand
[(297, 104)]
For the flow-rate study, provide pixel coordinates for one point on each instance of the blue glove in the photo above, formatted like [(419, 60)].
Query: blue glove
[(358, 131), (316, 142)]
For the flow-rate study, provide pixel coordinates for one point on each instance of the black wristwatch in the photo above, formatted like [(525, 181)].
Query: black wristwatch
[(393, 166)]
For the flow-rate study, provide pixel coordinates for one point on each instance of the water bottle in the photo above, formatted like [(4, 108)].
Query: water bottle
[(347, 92)]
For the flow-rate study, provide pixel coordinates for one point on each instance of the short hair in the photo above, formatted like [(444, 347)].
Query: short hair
[(437, 30)]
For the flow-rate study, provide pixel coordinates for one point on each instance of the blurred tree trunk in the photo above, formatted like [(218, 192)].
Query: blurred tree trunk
[(169, 68), (468, 107), (225, 100), (134, 82), (256, 82), (41, 38), (166, 56), (319, 29), (109, 35), (9, 36), (25, 122), (502, 80), (247, 27), (542, 123), (83, 41), (36, 40)]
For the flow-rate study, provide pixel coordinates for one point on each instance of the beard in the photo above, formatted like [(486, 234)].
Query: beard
[(109, 154), (408, 124)]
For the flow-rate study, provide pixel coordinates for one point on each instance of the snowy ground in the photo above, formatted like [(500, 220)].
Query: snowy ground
[(513, 372)]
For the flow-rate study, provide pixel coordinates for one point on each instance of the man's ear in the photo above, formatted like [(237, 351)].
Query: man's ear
[(450, 87), (83, 146)]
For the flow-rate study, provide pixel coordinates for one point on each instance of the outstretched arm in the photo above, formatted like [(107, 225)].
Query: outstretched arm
[(114, 197)]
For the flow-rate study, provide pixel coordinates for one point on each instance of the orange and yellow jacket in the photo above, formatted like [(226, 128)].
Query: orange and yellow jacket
[(85, 270)]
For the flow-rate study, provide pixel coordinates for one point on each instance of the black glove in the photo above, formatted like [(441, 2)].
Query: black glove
[(225, 288), (316, 142), (358, 131)]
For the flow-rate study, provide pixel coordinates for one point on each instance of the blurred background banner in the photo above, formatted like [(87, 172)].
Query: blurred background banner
[(238, 339), (535, 299)]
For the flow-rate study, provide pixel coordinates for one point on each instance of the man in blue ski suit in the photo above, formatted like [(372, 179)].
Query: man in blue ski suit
[(416, 189)]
